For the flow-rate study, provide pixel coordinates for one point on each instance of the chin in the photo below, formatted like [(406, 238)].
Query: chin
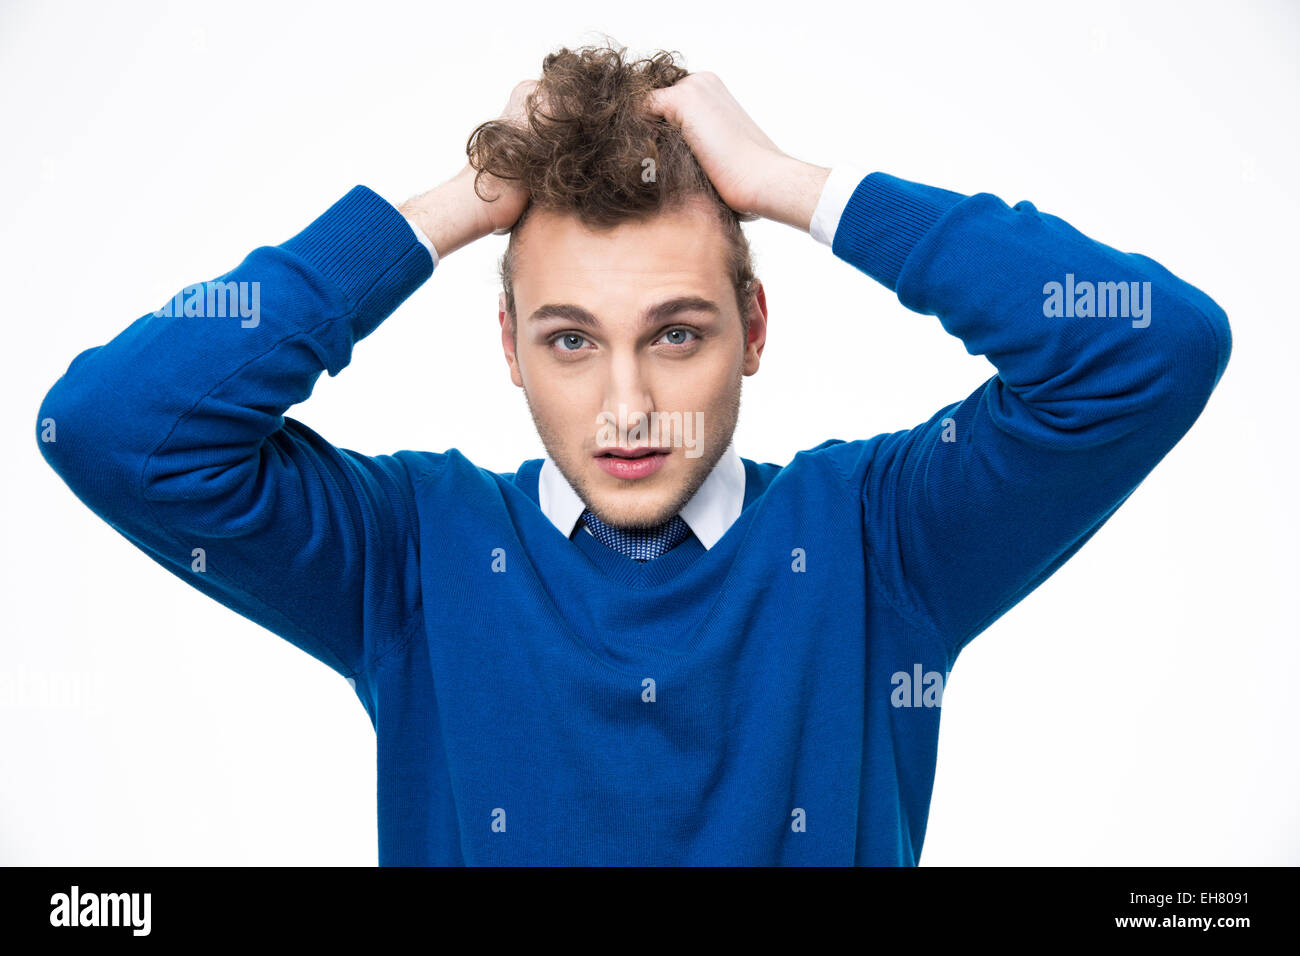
[(624, 517), (634, 508)]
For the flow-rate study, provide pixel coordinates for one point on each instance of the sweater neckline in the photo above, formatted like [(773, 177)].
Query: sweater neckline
[(637, 636), (637, 574)]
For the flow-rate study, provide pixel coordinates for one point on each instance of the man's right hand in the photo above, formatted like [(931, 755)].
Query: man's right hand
[(453, 215)]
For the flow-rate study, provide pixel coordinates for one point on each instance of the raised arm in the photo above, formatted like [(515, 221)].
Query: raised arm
[(174, 431), (1104, 360)]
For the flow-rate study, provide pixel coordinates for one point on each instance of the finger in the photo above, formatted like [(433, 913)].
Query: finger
[(663, 103)]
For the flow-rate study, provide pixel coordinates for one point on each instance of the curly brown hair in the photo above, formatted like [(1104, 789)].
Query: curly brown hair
[(585, 152)]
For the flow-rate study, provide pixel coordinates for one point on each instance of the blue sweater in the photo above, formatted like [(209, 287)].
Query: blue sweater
[(778, 701)]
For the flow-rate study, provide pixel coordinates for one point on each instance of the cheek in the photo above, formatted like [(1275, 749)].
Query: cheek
[(565, 404), (709, 387)]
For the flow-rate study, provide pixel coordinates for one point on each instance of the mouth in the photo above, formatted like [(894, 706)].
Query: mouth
[(632, 462), (641, 452)]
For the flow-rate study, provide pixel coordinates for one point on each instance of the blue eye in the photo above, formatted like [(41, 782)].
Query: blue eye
[(677, 332), (566, 336)]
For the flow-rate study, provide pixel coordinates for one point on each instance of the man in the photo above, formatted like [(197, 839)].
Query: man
[(643, 648)]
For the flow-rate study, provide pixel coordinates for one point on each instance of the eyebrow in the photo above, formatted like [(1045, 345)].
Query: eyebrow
[(656, 313)]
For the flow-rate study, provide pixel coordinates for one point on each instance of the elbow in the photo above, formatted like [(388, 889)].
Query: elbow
[(1198, 344), (81, 438), (53, 415), (1173, 356), (1218, 320), (1174, 359), (1180, 339), (61, 437)]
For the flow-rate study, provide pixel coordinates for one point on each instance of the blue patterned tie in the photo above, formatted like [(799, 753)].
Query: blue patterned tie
[(639, 545)]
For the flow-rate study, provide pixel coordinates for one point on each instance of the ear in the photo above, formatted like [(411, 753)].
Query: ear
[(508, 340), (757, 328)]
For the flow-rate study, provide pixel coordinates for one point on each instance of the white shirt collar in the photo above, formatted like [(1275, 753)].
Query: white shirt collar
[(709, 513)]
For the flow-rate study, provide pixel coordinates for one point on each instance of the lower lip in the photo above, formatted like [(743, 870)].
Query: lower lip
[(632, 467)]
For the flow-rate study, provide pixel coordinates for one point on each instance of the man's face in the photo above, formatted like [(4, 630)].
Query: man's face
[(616, 326)]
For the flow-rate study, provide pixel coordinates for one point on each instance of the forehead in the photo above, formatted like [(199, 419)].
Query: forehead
[(682, 251)]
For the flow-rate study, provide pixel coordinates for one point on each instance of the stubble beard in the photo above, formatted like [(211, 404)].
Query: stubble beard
[(714, 445)]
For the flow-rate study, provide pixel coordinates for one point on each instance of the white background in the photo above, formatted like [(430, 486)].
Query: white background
[(1136, 709)]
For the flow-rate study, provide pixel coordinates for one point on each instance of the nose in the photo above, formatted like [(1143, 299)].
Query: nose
[(628, 395)]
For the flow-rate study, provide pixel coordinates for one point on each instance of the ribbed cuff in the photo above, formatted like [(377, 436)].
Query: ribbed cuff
[(885, 218), (366, 248)]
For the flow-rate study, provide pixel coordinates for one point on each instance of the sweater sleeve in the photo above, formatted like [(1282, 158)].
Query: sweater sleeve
[(1104, 360), (174, 433)]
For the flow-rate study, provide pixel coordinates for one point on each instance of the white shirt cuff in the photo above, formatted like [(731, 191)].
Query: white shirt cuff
[(424, 240), (837, 192)]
